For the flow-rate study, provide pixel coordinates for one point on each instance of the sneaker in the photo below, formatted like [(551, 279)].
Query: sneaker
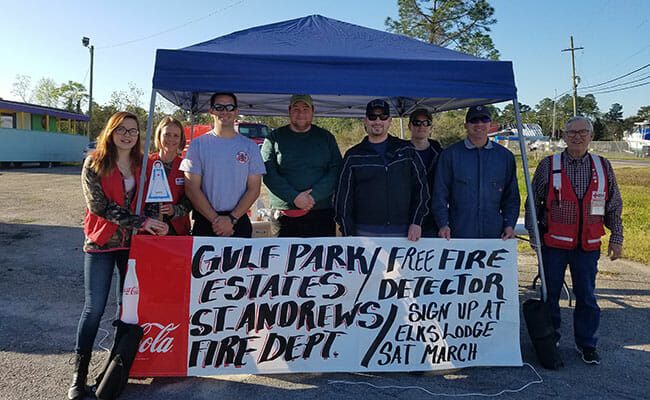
[(589, 355)]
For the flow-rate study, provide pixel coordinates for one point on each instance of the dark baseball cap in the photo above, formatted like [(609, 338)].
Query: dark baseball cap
[(477, 111), (378, 103), (420, 112)]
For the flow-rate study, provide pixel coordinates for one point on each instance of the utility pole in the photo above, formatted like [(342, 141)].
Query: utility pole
[(573, 74), (86, 41), (554, 101)]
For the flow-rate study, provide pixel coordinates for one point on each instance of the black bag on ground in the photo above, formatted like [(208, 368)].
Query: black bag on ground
[(540, 329), (113, 379)]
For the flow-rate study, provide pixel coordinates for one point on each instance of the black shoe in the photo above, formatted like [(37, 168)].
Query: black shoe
[(589, 355), (77, 388)]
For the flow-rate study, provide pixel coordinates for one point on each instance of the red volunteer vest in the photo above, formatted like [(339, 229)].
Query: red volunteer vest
[(176, 180), (568, 218), (97, 228)]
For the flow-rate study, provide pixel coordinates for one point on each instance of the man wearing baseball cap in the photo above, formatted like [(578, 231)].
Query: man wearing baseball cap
[(382, 190), (421, 125), (302, 164), (475, 192)]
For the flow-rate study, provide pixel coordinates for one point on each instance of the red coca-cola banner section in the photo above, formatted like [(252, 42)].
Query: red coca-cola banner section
[(162, 267), (212, 306)]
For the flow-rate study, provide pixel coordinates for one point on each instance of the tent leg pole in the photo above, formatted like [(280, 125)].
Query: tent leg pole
[(143, 173), (530, 197)]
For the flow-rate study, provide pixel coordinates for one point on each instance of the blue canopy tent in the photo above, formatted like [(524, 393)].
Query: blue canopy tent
[(341, 65)]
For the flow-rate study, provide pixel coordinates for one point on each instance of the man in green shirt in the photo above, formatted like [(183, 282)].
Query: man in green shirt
[(302, 164)]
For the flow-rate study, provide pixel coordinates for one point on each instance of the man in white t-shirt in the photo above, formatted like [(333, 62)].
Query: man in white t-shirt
[(223, 174)]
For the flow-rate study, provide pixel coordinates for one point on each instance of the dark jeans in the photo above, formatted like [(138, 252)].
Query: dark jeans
[(98, 274), (315, 223), (583, 266), (203, 227)]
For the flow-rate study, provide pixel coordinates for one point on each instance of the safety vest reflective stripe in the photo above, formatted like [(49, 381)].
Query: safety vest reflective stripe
[(556, 164), (599, 172), (564, 238)]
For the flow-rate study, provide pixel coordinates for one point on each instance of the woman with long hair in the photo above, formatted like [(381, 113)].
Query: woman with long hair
[(110, 181), (169, 139)]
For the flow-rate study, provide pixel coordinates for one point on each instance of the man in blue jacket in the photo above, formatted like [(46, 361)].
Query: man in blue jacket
[(475, 191), (382, 190)]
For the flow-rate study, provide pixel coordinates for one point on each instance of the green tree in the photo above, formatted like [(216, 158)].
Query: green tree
[(463, 25), (643, 113), (22, 87), (612, 123), (507, 116), (46, 92), (448, 127), (615, 113), (72, 94)]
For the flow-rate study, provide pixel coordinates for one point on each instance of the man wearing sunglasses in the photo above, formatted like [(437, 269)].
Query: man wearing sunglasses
[(421, 125), (382, 190), (223, 174), (576, 195), (302, 162), (475, 191)]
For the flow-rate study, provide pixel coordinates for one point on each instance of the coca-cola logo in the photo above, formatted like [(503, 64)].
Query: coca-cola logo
[(133, 290), (157, 338)]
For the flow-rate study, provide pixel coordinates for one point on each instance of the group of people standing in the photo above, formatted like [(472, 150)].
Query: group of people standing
[(383, 187)]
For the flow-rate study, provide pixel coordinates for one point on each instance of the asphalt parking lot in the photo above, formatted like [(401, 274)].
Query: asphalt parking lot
[(41, 295)]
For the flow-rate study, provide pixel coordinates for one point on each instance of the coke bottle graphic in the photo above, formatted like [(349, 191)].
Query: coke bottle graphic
[(130, 295)]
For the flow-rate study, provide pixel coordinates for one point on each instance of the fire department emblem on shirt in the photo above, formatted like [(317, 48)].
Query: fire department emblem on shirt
[(242, 157)]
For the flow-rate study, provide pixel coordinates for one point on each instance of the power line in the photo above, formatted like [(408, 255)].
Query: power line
[(173, 28), (621, 89), (617, 78), (643, 78)]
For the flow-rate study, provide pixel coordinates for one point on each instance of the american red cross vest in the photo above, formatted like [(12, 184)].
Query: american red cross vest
[(569, 219), (176, 180), (97, 228)]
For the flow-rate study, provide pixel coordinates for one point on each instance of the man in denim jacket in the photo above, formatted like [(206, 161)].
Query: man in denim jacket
[(475, 191)]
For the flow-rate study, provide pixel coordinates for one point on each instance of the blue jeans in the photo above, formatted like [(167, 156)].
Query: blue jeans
[(583, 266), (98, 274)]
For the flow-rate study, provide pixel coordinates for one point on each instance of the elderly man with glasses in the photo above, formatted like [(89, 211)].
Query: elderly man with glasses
[(421, 125), (575, 195), (475, 192), (223, 174), (382, 190)]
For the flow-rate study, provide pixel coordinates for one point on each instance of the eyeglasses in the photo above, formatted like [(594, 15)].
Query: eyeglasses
[(476, 120), (127, 132), (373, 117), (581, 132), (222, 107), (421, 122)]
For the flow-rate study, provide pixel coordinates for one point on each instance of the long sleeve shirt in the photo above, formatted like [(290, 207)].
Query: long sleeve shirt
[(475, 191), (298, 161)]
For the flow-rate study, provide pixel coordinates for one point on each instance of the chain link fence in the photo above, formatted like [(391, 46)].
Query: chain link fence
[(608, 149)]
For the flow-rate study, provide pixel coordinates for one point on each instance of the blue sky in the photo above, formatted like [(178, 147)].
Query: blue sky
[(43, 39)]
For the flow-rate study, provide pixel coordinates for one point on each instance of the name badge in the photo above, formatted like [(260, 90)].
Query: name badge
[(180, 181), (598, 203)]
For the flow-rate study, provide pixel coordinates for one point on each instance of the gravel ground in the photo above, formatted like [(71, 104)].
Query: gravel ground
[(41, 295)]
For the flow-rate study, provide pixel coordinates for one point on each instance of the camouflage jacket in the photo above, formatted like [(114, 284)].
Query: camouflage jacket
[(102, 206)]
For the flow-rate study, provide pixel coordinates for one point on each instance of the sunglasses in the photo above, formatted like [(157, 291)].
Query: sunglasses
[(476, 120), (422, 122), (222, 107), (373, 117)]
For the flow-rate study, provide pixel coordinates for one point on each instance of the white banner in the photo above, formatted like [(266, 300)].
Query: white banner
[(351, 304)]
